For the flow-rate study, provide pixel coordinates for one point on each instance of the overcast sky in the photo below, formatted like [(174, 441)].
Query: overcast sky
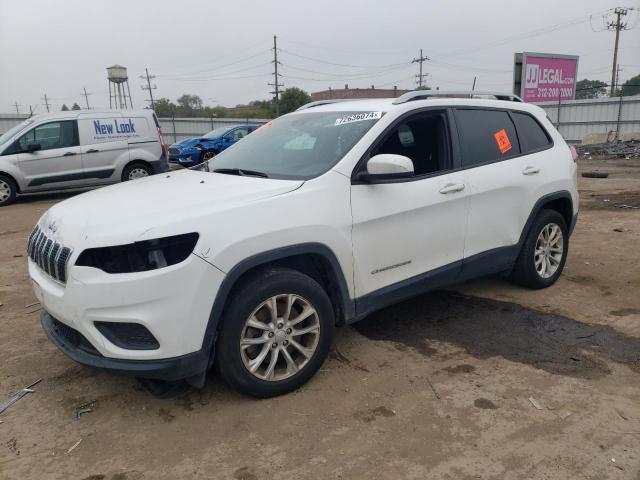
[(221, 50)]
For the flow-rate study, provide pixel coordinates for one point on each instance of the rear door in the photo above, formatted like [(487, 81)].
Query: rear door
[(58, 163), (499, 184), (104, 142)]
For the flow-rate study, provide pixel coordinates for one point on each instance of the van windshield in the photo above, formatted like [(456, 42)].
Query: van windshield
[(5, 137), (298, 146)]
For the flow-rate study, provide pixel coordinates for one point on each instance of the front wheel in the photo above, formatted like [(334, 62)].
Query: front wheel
[(276, 333), (543, 253), (208, 155), (8, 190)]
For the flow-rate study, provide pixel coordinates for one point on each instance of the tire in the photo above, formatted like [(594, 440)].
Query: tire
[(253, 300), (207, 155), (532, 269), (8, 190), (134, 171), (595, 174)]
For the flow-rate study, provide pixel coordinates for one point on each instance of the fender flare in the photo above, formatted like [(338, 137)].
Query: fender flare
[(561, 194), (263, 258)]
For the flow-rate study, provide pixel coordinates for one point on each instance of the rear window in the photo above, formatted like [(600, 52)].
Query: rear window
[(486, 136), (530, 133)]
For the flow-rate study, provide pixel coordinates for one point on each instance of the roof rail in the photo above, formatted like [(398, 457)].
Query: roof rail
[(324, 102), (425, 94)]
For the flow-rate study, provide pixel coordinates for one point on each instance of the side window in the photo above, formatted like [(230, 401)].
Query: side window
[(50, 135), (240, 133), (531, 134), (424, 139), (486, 136)]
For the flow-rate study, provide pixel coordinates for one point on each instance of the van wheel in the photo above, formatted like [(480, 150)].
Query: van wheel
[(276, 333), (8, 190), (136, 170), (543, 253)]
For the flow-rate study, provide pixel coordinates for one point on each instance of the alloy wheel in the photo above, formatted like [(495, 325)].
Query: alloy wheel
[(549, 250), (280, 337)]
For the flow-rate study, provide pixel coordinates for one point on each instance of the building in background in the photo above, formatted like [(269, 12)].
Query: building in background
[(356, 93)]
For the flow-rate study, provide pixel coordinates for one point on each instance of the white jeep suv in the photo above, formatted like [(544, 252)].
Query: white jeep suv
[(314, 221)]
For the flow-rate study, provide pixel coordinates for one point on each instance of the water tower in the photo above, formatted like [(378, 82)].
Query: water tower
[(118, 87)]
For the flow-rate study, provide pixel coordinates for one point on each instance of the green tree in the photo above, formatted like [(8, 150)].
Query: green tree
[(165, 107), (586, 88), (631, 87), (64, 107), (189, 105), (292, 98), (75, 106)]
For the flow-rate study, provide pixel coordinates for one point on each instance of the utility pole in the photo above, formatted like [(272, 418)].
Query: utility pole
[(149, 87), (46, 102), (618, 70), (420, 61), (276, 85), (617, 26), (17, 107), (86, 97), (30, 111)]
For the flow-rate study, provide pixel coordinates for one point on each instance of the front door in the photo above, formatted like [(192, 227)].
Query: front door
[(57, 163), (404, 229)]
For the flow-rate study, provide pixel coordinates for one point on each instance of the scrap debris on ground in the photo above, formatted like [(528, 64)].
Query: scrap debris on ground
[(617, 149)]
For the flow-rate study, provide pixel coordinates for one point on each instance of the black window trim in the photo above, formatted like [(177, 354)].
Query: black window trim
[(515, 128), (544, 130), (453, 149), (14, 148)]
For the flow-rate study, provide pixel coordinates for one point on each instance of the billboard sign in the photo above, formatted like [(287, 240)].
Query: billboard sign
[(546, 77)]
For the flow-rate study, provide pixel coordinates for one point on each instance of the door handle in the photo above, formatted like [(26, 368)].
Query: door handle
[(92, 150), (452, 188), (68, 154), (530, 171)]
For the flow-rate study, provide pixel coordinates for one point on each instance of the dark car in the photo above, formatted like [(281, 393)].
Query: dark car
[(192, 151)]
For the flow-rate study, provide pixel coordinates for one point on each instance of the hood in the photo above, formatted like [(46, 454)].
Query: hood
[(160, 205)]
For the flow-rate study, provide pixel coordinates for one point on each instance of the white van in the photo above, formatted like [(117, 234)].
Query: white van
[(76, 149)]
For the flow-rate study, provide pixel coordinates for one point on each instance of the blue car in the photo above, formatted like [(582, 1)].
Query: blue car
[(192, 151)]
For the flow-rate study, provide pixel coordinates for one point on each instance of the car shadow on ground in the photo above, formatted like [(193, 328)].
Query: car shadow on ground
[(49, 196), (486, 328)]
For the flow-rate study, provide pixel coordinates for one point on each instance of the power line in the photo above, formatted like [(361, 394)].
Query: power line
[(313, 59), (276, 84), (149, 87), (218, 67), (420, 60)]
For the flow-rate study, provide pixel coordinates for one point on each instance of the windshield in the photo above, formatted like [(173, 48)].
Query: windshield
[(10, 133), (299, 146), (217, 132)]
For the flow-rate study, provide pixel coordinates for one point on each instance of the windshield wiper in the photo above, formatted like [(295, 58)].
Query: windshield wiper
[(241, 171)]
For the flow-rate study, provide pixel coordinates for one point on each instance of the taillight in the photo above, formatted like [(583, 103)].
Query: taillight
[(161, 137), (574, 153)]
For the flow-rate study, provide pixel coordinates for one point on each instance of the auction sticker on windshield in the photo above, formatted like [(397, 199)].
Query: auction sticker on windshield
[(359, 117)]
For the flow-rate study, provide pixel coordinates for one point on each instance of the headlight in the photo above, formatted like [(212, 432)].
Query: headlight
[(140, 256)]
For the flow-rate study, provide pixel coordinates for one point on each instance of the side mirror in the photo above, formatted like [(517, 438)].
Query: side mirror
[(33, 147), (387, 166)]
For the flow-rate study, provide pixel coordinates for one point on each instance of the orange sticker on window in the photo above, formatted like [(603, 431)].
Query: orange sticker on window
[(504, 145)]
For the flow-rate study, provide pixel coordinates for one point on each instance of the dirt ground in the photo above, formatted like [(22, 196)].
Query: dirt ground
[(489, 381)]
